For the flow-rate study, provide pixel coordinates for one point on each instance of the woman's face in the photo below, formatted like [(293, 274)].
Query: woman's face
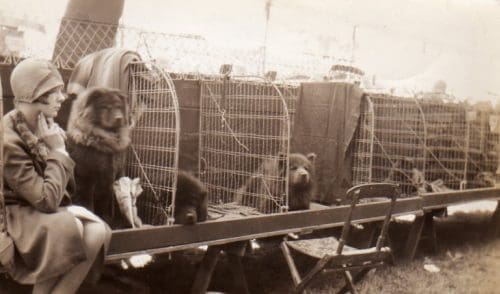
[(50, 103)]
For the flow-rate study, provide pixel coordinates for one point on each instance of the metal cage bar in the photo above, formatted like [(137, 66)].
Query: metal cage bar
[(243, 125), (154, 152), (447, 141), (389, 142)]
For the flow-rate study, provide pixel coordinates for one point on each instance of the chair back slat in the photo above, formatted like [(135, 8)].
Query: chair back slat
[(371, 190)]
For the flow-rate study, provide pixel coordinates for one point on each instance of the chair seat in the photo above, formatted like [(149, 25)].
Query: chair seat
[(324, 250), (321, 248)]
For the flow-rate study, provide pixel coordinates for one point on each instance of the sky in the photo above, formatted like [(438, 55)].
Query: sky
[(407, 44)]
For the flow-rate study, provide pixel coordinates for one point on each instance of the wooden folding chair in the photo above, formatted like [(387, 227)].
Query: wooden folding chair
[(334, 255)]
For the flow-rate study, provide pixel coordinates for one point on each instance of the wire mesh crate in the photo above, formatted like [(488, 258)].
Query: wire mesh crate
[(389, 142), (291, 95), (447, 141), (153, 156), (242, 125), (482, 153), (425, 145)]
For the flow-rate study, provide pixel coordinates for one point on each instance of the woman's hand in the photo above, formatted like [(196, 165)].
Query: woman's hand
[(51, 134)]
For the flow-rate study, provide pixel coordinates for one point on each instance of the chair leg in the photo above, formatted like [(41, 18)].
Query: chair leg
[(392, 259), (357, 277), (349, 282), (320, 265), (291, 264)]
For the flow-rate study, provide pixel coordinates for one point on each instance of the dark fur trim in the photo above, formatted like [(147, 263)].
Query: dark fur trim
[(37, 146)]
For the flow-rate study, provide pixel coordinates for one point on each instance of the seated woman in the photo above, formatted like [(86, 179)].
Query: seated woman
[(56, 244)]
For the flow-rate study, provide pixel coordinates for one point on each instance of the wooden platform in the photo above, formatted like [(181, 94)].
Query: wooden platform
[(162, 239)]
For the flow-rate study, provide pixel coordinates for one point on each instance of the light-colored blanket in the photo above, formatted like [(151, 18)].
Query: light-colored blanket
[(105, 68)]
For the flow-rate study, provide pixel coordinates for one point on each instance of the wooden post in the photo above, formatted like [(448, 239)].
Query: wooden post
[(204, 273), (235, 251), (414, 238), (495, 221), (430, 231)]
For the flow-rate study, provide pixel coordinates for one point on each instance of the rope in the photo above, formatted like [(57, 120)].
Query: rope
[(432, 153), (224, 121)]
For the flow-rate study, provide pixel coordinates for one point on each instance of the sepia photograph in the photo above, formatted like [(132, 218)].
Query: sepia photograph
[(249, 146)]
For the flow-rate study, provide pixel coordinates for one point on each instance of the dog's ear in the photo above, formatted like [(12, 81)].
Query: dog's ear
[(311, 157), (94, 94)]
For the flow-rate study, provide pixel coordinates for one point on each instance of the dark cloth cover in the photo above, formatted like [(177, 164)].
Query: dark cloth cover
[(326, 118)]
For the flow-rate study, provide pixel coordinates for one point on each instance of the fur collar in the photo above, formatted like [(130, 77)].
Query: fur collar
[(102, 140), (37, 146)]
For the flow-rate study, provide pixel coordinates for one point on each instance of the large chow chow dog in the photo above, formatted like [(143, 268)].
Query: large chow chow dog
[(191, 202), (98, 135), (301, 183)]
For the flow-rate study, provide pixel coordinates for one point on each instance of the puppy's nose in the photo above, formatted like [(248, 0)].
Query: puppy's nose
[(190, 218), (119, 119), (118, 116)]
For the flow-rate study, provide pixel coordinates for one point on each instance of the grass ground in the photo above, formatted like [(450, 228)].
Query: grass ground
[(468, 259)]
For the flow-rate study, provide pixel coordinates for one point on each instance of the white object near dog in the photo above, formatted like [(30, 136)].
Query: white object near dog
[(127, 191)]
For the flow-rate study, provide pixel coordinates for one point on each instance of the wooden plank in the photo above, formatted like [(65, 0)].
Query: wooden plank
[(177, 237), (444, 199)]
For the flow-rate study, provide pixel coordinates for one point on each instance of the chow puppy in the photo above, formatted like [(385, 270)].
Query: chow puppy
[(191, 202), (301, 183), (98, 136)]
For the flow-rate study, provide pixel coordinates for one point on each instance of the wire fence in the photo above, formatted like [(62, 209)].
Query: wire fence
[(189, 55)]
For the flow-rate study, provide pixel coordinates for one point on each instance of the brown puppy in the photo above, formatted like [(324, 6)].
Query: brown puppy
[(260, 189), (191, 202), (98, 136)]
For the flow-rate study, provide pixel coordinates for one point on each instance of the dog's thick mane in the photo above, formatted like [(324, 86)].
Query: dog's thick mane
[(82, 129)]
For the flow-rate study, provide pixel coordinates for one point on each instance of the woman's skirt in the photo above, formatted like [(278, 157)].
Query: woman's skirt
[(47, 244)]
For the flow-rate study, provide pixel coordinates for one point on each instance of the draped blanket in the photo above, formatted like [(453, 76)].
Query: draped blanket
[(326, 118), (105, 68)]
